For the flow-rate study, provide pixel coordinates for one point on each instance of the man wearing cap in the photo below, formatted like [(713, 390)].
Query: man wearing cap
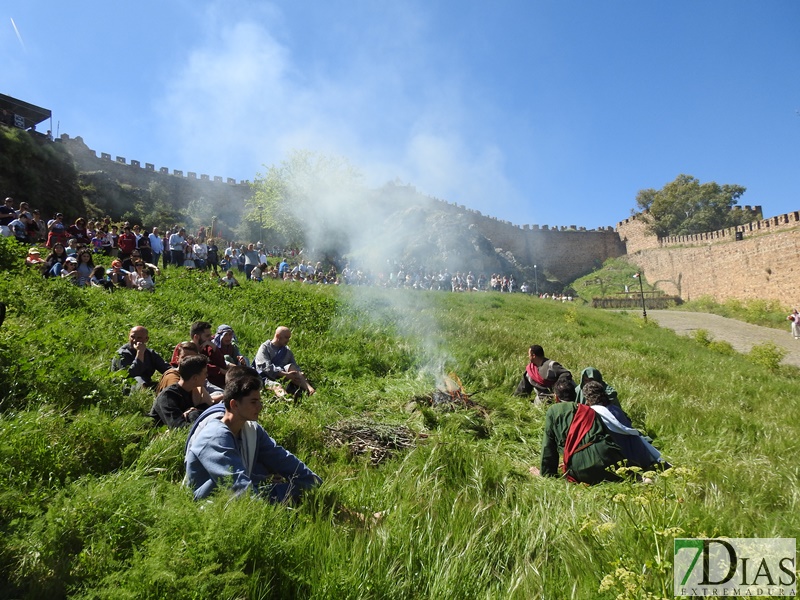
[(19, 227), (117, 275), (140, 361), (34, 258)]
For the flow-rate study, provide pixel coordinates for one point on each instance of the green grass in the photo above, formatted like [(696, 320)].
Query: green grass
[(609, 280), (91, 504), (767, 313)]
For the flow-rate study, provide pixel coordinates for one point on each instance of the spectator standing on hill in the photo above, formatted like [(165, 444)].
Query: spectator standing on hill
[(7, 212), (126, 243), (19, 228), (188, 254), (250, 260), (541, 375), (114, 239), (213, 255), (56, 231), (177, 241), (275, 361), (200, 253), (41, 227), (156, 245), (145, 251), (140, 361), (226, 444), (166, 256), (283, 268), (794, 317)]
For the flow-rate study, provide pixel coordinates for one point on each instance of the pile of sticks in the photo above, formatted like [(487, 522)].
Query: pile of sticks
[(379, 440)]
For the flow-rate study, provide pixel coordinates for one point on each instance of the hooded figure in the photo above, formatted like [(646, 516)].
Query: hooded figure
[(592, 374), (225, 340)]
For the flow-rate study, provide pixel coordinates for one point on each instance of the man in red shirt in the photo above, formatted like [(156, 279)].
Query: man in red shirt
[(126, 243)]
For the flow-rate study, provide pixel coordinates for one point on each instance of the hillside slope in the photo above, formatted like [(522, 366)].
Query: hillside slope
[(92, 504)]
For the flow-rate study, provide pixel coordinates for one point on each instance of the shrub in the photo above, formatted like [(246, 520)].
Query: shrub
[(768, 355), (702, 337)]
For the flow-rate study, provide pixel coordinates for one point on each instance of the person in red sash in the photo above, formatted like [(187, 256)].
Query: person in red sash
[(541, 375), (577, 431)]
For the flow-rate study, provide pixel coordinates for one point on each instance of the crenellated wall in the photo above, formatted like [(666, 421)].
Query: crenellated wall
[(762, 262), (757, 260), (564, 253), (89, 161)]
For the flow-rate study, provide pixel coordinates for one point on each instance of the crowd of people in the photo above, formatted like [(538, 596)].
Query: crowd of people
[(126, 246), (209, 387)]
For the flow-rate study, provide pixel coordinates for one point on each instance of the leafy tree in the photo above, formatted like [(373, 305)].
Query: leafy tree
[(310, 199), (686, 206)]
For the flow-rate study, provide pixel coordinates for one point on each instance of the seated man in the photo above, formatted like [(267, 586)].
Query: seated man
[(275, 362), (140, 362), (200, 334), (171, 376), (540, 375), (578, 432), (226, 444), (181, 403), (636, 448)]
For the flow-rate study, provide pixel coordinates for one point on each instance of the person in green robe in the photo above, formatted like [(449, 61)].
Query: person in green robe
[(592, 374), (576, 431)]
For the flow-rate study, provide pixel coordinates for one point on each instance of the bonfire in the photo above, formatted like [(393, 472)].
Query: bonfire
[(453, 396)]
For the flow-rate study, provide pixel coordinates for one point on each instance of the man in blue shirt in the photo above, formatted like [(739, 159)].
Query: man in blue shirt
[(227, 445)]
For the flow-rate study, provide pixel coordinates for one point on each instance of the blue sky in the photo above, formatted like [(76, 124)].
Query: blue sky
[(553, 113)]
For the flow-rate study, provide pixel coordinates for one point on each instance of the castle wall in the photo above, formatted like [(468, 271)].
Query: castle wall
[(763, 266), (562, 252), (183, 187)]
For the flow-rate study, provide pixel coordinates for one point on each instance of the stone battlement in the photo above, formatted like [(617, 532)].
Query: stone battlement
[(633, 231), (136, 165)]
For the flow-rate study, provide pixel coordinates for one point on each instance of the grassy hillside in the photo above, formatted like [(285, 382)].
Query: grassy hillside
[(92, 507)]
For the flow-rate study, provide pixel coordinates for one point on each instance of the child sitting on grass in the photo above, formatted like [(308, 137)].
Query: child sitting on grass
[(229, 280)]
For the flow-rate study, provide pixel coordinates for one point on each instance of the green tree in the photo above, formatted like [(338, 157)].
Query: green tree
[(685, 206), (310, 199)]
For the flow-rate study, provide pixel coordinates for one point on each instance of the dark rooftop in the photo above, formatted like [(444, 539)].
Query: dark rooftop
[(32, 114)]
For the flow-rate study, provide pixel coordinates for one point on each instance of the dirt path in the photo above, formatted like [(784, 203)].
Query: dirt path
[(742, 336)]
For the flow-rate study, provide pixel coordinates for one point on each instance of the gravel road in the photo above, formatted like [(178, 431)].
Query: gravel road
[(742, 336)]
